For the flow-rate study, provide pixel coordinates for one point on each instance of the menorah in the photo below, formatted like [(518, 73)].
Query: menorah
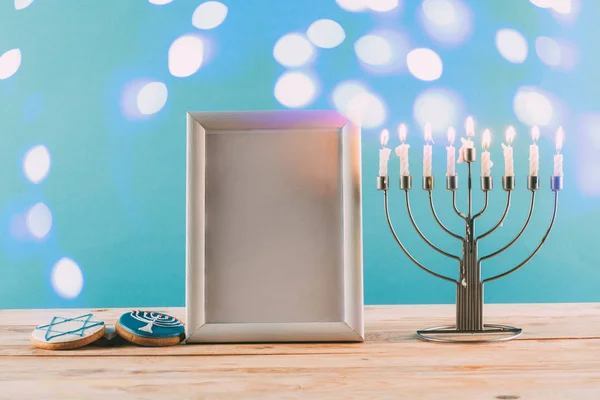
[(469, 286)]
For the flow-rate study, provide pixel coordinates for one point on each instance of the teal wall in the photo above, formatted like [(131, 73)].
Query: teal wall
[(116, 185)]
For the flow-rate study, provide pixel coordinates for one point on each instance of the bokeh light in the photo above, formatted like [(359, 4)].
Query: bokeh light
[(356, 101), (533, 107), (36, 164), (588, 161), (21, 4), (424, 64), (151, 98), (440, 107), (293, 50), (352, 5), (373, 50), (382, 5), (448, 22), (382, 51), (10, 63), (67, 278), (159, 2), (39, 220), (209, 15), (186, 55), (326, 33), (511, 45), (295, 89), (556, 53)]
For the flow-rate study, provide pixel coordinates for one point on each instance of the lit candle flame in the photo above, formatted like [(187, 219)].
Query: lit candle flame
[(535, 133), (510, 135), (470, 126), (486, 140), (385, 136), (402, 131), (560, 137), (428, 133), (451, 135)]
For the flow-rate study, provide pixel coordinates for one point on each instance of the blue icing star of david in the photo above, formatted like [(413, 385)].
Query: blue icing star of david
[(151, 324), (53, 329)]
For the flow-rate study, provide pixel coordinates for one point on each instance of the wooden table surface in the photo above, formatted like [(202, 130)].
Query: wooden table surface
[(557, 357)]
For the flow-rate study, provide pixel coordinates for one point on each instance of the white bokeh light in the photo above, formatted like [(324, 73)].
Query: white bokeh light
[(533, 107), (542, 3), (295, 89), (21, 4), (511, 45), (562, 6), (10, 63), (159, 2), (151, 98), (548, 50), (588, 162), (39, 220), (352, 5), (373, 50), (209, 15), (381, 5), (556, 53), (186, 55), (293, 50), (326, 33), (357, 102), (448, 22), (67, 278), (36, 164), (440, 107), (424, 64)]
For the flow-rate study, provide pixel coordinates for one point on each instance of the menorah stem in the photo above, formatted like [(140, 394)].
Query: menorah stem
[(469, 294), (470, 187)]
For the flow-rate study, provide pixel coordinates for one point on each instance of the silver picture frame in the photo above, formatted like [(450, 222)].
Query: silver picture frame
[(273, 227)]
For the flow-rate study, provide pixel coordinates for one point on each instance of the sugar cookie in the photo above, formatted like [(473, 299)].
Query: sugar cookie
[(67, 333), (149, 328)]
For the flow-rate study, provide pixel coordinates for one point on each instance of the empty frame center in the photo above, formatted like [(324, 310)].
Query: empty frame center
[(273, 198)]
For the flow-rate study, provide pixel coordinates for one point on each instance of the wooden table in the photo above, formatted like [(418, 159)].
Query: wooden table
[(557, 357)]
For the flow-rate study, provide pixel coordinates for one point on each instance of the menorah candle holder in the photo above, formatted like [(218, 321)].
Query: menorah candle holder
[(469, 325)]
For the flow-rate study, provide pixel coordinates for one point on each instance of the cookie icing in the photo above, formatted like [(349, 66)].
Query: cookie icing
[(151, 324), (62, 330)]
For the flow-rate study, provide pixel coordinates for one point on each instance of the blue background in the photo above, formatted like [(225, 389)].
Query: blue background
[(116, 187)]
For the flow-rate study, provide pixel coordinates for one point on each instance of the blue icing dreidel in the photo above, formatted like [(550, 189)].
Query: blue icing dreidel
[(149, 328)]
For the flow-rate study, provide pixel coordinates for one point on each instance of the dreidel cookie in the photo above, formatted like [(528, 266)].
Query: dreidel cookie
[(149, 328), (67, 333)]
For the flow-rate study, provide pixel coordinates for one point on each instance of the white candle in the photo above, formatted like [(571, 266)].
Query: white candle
[(451, 153), (486, 160), (402, 151), (558, 158), (467, 144), (509, 168), (427, 150), (384, 153), (534, 153)]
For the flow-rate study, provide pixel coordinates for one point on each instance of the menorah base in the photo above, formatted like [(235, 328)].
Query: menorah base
[(449, 334)]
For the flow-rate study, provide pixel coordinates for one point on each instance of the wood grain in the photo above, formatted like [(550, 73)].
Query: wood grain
[(558, 357)]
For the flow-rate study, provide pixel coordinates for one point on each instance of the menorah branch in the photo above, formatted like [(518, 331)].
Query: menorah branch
[(485, 206), (504, 214), (414, 224), (439, 222), (463, 216), (536, 249), (418, 264), (494, 254)]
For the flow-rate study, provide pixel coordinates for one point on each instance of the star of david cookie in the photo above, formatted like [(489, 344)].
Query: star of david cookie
[(67, 333), (149, 328)]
